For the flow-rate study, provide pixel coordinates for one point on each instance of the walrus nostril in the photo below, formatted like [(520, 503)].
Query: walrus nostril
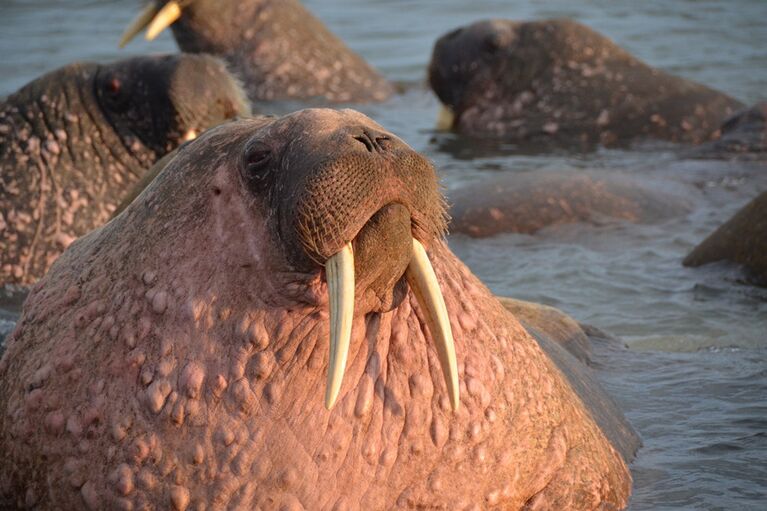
[(366, 140), (383, 142), (374, 142)]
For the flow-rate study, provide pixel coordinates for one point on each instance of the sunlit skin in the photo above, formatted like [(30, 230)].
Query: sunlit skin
[(180, 355)]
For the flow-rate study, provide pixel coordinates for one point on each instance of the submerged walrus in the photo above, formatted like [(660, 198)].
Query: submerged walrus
[(742, 240), (742, 137), (73, 142), (526, 202), (278, 49), (177, 355), (559, 81)]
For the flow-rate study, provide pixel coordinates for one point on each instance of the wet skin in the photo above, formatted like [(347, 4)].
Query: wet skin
[(742, 240), (74, 141), (178, 355), (526, 203), (559, 81), (277, 48), (742, 137)]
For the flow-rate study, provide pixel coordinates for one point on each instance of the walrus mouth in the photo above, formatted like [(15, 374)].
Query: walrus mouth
[(420, 275), (154, 19)]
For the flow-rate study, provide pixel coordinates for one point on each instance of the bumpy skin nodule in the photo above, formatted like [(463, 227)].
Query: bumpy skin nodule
[(560, 81), (74, 141), (742, 239), (176, 357), (526, 203), (279, 50)]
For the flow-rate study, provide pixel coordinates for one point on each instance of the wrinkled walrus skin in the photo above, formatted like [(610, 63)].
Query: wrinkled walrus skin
[(559, 81), (278, 49), (74, 141), (176, 357)]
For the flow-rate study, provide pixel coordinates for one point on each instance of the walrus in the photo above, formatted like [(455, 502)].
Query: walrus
[(573, 346), (73, 141), (276, 47), (741, 137), (526, 202), (742, 240), (277, 322), (560, 81)]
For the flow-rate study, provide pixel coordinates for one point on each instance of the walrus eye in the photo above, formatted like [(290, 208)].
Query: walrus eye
[(113, 91), (113, 86), (256, 162)]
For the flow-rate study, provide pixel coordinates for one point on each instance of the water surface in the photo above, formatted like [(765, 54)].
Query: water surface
[(694, 381)]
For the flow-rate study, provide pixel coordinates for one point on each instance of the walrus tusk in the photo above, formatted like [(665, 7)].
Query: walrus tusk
[(339, 270), (190, 134), (163, 19), (445, 118), (146, 15), (423, 282)]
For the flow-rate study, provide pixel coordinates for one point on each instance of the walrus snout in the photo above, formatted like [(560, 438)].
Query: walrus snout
[(358, 202), (373, 140), (465, 56), (334, 170)]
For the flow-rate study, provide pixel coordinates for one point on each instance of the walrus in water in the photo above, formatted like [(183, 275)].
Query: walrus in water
[(742, 137), (277, 47), (524, 202), (742, 240), (73, 141), (559, 81), (177, 355)]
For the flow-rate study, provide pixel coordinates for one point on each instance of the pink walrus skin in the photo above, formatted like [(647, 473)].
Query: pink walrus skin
[(177, 356)]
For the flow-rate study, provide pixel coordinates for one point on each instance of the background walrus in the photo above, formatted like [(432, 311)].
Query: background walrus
[(560, 81), (742, 239), (277, 47), (75, 140)]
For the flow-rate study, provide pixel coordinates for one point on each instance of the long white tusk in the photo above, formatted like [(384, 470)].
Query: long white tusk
[(137, 25), (423, 282), (339, 270), (163, 19)]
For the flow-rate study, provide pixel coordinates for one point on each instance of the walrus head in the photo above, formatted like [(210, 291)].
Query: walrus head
[(559, 82), (473, 61), (169, 99), (158, 15), (177, 355), (95, 129), (337, 194), (277, 47)]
